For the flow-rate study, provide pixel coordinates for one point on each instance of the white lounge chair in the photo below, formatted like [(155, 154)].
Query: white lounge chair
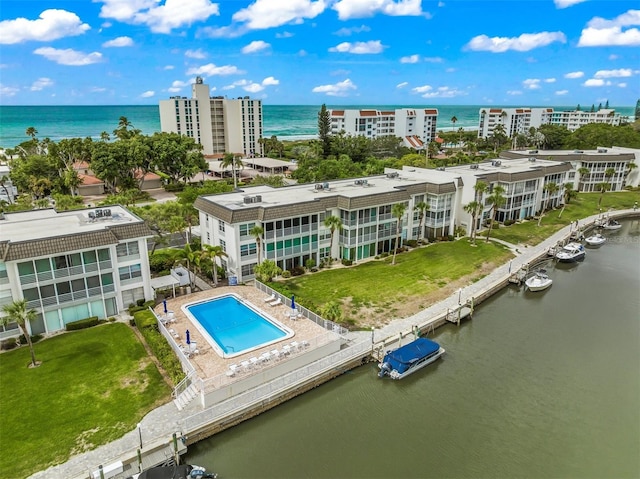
[(305, 344), (275, 354), (174, 333), (270, 298), (246, 365), (276, 302), (295, 346), (286, 350), (265, 357), (254, 361)]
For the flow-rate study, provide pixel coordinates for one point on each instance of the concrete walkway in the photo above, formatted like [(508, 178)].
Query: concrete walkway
[(160, 424)]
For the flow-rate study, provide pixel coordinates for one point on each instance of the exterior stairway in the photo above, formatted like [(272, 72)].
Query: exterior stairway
[(186, 397)]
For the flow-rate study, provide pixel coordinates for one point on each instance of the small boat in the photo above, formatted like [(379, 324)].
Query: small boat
[(611, 225), (571, 252), (182, 471), (595, 240), (539, 281), (407, 359)]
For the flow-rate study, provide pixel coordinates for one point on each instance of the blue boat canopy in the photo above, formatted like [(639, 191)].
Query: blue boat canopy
[(402, 358)]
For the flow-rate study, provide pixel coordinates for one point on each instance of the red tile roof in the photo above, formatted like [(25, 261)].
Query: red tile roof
[(88, 180)]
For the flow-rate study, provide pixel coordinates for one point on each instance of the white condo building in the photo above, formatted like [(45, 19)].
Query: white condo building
[(519, 120), (416, 126), (219, 124), (72, 265)]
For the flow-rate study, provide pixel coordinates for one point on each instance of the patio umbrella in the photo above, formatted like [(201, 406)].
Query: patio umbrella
[(188, 337), (293, 302), (164, 303)]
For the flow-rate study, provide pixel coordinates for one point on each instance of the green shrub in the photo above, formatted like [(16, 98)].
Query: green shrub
[(412, 243), (135, 309), (140, 302), (310, 263), (7, 344), (509, 222), (297, 271), (286, 274), (346, 262), (83, 323), (34, 339), (174, 187), (112, 319)]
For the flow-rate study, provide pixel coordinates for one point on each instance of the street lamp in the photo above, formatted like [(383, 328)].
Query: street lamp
[(140, 434), (459, 295)]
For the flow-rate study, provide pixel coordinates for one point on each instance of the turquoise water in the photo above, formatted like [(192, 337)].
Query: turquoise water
[(284, 121), (235, 328)]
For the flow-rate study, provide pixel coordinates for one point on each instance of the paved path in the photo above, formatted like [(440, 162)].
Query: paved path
[(165, 420)]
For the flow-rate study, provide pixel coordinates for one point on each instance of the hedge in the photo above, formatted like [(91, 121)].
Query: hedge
[(83, 323)]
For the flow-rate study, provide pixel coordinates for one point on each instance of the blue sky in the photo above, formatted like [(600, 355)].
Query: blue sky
[(339, 52)]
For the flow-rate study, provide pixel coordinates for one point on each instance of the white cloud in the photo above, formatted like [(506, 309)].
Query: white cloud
[(372, 46), (549, 80), (270, 81), (574, 74), (601, 32), (562, 92), (613, 56), (622, 85), (433, 59), (148, 94), (402, 85), (160, 18), (212, 70), (595, 82), (197, 54), (97, 89), (345, 32), (337, 89), (255, 46), (8, 90), (620, 73), (177, 86), (41, 83), (567, 3), (531, 83), (366, 8), (451, 70), (523, 43), (263, 14), (51, 25), (444, 92), (284, 35), (422, 89), (69, 56), (514, 92), (410, 59), (118, 42), (168, 67), (253, 87)]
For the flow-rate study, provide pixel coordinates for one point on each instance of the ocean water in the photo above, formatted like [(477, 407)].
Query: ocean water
[(287, 122)]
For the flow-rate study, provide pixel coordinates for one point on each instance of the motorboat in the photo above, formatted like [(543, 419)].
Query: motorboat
[(407, 359), (595, 240), (611, 225), (539, 281), (182, 471), (571, 252)]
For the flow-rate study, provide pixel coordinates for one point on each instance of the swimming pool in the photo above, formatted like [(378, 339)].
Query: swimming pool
[(233, 326)]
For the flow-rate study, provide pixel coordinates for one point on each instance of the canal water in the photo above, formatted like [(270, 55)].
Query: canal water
[(536, 385)]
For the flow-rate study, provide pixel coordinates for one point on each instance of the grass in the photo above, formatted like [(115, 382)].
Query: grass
[(93, 386), (380, 285), (586, 204)]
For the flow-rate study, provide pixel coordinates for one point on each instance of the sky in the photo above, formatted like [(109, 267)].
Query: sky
[(310, 52)]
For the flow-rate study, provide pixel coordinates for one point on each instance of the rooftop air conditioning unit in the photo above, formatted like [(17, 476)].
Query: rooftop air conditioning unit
[(365, 182), (357, 182), (440, 168), (533, 152), (325, 186), (393, 174), (602, 150), (318, 186), (532, 159), (98, 213), (474, 166), (579, 151), (247, 200), (258, 198)]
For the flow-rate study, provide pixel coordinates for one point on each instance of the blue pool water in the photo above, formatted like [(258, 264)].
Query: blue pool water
[(234, 327)]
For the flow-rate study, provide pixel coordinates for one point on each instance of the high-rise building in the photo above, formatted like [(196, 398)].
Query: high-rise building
[(219, 124)]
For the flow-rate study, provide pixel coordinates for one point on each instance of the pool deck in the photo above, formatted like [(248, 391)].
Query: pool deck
[(208, 363)]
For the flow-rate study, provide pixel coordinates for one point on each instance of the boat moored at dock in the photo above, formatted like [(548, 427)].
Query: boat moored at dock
[(595, 240), (407, 359), (182, 471), (539, 281), (571, 252)]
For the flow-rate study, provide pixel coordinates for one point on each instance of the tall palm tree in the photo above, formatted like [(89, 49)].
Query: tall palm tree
[(32, 132), (257, 231), (495, 199), (602, 187), (608, 174), (473, 208), (211, 253), (18, 312), (551, 189), (333, 223), (583, 172), (421, 208), (189, 257), (232, 160), (454, 120), (480, 188), (397, 211)]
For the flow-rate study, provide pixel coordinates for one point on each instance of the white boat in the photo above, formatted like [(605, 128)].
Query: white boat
[(611, 225), (595, 240), (407, 359), (571, 252), (184, 471), (539, 281)]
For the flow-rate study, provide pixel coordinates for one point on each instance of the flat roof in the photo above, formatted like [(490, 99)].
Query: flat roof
[(49, 223)]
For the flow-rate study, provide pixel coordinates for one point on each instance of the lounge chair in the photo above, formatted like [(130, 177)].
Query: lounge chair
[(233, 369), (276, 302), (254, 361), (270, 298), (246, 365), (305, 344), (265, 357), (174, 333), (275, 354)]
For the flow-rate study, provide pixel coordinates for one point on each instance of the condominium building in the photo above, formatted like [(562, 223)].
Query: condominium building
[(519, 120), (219, 124), (72, 265), (292, 218), (406, 123)]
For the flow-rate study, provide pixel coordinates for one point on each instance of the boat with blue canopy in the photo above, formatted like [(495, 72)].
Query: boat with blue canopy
[(407, 359)]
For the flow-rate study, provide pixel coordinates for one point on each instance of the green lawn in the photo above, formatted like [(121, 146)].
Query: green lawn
[(380, 285), (92, 387), (586, 204)]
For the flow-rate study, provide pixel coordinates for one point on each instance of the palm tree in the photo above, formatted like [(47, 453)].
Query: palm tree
[(602, 187), (3, 180), (333, 223), (473, 208), (454, 120), (583, 172), (188, 257), (211, 253), (32, 132), (608, 174), (18, 312), (551, 189), (233, 160), (332, 311), (421, 208), (569, 193), (495, 199), (257, 231), (397, 211), (480, 188)]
